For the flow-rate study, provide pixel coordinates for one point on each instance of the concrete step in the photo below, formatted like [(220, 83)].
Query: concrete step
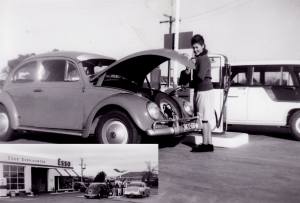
[(226, 139)]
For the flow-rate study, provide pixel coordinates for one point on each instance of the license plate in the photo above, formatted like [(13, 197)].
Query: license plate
[(189, 126)]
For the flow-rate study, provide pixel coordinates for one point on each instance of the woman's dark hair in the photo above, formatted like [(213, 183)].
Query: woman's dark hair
[(200, 40)]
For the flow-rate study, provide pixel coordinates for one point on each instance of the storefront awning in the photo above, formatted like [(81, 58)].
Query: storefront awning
[(66, 172), (62, 172), (73, 173)]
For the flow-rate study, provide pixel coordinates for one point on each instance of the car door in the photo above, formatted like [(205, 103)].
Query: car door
[(21, 87), (271, 84), (237, 97), (59, 96)]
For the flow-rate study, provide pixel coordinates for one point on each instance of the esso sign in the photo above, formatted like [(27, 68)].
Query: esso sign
[(63, 163)]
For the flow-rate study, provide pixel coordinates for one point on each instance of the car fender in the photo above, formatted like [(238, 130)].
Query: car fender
[(7, 102), (290, 113), (134, 105)]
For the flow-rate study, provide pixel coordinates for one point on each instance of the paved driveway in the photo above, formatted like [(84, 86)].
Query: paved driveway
[(265, 170)]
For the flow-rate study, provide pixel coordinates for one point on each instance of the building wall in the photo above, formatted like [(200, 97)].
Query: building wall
[(27, 178), (51, 179)]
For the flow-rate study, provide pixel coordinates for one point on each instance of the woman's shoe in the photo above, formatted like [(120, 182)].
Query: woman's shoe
[(199, 148), (210, 147)]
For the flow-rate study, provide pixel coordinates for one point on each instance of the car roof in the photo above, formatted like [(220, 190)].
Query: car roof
[(137, 182), (98, 183), (270, 62), (75, 55)]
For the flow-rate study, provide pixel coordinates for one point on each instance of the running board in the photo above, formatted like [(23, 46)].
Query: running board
[(49, 130)]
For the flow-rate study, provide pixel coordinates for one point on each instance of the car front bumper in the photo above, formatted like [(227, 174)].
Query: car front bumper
[(90, 195), (132, 193), (175, 126)]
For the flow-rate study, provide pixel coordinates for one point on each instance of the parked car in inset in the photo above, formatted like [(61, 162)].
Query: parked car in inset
[(97, 190), (265, 94), (87, 95), (137, 189), (80, 186)]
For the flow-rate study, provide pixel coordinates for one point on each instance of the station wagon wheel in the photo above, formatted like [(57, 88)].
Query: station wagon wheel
[(295, 125), (115, 127), (6, 132)]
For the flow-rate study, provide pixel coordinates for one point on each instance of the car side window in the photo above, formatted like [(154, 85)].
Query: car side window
[(239, 76), (26, 73), (53, 71), (257, 77), (58, 71), (278, 76), (72, 73)]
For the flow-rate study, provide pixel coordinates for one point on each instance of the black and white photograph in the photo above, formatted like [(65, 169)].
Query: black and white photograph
[(75, 173), (213, 85)]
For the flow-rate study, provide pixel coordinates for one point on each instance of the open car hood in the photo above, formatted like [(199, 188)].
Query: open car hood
[(136, 66)]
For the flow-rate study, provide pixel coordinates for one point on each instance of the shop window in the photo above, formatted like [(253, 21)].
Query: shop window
[(15, 177), (65, 182)]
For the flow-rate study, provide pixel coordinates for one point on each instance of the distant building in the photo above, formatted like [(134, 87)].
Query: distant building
[(25, 174)]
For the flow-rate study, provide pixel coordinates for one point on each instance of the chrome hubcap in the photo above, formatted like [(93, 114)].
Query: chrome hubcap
[(114, 132), (4, 124), (297, 125)]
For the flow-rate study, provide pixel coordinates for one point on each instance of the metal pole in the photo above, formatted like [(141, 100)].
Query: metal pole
[(82, 167), (176, 41), (169, 62)]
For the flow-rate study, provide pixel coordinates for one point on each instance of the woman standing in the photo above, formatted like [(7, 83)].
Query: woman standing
[(203, 92)]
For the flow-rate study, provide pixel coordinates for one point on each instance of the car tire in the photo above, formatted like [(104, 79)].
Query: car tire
[(116, 127), (6, 132), (295, 125), (168, 106)]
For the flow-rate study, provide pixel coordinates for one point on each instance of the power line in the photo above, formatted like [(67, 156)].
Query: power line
[(225, 6)]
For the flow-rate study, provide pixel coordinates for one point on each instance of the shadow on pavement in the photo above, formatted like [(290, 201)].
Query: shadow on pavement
[(276, 132), (163, 141), (54, 138)]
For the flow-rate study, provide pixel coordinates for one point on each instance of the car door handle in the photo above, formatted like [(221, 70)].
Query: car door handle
[(37, 90)]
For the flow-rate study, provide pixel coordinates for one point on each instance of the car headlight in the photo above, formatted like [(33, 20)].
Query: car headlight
[(153, 110), (188, 108)]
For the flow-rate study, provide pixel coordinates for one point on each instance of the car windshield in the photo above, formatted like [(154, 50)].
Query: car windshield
[(94, 186), (93, 66), (118, 81), (135, 185)]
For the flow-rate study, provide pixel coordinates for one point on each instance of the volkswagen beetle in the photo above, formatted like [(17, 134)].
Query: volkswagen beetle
[(86, 95)]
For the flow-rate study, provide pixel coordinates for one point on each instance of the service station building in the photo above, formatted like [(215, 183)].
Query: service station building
[(26, 174)]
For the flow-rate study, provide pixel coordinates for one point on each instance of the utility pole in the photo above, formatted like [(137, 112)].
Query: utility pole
[(82, 167), (176, 40), (171, 20)]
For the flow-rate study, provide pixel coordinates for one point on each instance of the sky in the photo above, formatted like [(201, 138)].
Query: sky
[(96, 157), (241, 29)]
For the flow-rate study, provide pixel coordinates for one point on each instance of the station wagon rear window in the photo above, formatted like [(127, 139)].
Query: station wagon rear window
[(265, 75)]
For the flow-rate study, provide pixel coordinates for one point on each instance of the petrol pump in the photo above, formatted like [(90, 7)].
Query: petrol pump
[(220, 70)]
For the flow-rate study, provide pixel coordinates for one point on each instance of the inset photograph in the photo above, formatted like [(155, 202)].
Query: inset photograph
[(75, 173)]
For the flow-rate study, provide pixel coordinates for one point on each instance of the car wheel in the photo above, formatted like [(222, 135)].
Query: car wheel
[(295, 125), (115, 127), (168, 106), (6, 132)]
